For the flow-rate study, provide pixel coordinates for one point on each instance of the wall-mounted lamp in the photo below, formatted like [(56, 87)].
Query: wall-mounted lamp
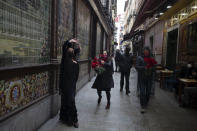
[(161, 13), (169, 6), (183, 14), (194, 7)]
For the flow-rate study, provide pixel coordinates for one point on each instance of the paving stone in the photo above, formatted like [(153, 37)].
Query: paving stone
[(163, 113)]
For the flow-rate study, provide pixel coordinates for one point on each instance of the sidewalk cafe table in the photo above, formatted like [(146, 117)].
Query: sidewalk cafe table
[(159, 68), (163, 74), (186, 83)]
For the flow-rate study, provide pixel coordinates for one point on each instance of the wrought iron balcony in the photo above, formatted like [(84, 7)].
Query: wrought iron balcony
[(107, 14)]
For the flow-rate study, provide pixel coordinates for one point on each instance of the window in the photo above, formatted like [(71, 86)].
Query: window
[(192, 36), (24, 32)]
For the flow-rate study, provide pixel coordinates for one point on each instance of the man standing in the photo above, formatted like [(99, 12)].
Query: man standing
[(117, 59), (125, 64)]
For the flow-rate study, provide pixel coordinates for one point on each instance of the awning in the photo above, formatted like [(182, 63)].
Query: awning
[(130, 35), (177, 7), (149, 8)]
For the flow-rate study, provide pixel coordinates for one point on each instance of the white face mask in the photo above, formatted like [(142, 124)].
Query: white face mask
[(189, 65)]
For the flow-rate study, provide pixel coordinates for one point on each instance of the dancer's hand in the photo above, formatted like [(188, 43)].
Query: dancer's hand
[(74, 61)]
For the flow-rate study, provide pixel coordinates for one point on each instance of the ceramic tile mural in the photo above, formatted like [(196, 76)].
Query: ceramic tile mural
[(24, 32), (65, 23), (83, 28), (18, 92)]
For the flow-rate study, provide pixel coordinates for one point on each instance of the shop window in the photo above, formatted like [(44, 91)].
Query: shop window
[(24, 32), (83, 29), (192, 37), (65, 23)]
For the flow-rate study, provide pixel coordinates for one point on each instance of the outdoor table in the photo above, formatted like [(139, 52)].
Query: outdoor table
[(159, 68), (186, 83), (163, 74)]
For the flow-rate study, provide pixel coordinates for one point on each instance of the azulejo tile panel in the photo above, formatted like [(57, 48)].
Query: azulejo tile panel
[(18, 92)]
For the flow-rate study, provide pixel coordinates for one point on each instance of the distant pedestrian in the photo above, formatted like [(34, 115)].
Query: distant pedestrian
[(104, 80), (145, 67), (126, 62), (68, 77), (117, 60)]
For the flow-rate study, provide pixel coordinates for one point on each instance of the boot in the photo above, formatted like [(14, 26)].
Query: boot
[(99, 100), (107, 106)]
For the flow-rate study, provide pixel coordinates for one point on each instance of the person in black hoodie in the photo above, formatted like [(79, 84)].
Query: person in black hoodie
[(125, 64), (69, 72)]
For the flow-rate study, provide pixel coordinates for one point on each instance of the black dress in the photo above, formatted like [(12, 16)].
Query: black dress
[(68, 78), (104, 81)]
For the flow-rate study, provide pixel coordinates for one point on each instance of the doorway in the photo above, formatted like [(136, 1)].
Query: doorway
[(172, 49)]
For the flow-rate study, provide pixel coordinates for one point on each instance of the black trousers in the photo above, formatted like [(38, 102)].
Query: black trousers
[(117, 66), (108, 94), (125, 75)]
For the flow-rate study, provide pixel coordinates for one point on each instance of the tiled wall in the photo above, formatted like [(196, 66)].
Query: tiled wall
[(83, 31), (24, 31), (20, 91), (65, 23)]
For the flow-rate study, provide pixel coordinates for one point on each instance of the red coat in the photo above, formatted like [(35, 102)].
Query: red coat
[(150, 62)]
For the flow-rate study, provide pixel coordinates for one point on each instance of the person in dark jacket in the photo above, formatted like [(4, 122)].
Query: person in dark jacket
[(188, 71), (145, 67), (104, 81), (117, 59), (69, 73), (125, 64)]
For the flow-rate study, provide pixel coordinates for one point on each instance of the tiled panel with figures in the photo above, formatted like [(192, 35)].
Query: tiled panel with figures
[(24, 32), (18, 92)]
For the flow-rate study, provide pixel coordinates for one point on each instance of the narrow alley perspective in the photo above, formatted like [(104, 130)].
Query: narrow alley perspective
[(98, 65), (163, 113)]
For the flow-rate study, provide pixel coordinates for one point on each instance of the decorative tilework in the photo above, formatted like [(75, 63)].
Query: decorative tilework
[(18, 92)]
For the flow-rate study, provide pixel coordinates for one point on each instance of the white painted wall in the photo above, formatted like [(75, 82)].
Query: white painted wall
[(157, 32)]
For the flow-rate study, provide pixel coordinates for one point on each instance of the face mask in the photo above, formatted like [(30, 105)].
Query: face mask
[(189, 65)]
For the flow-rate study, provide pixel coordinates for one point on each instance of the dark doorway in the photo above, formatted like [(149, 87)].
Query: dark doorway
[(151, 42), (172, 49)]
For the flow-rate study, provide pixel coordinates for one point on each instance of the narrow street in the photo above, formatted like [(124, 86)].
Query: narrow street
[(163, 113)]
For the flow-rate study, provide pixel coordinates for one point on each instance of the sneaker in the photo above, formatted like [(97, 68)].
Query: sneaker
[(76, 125)]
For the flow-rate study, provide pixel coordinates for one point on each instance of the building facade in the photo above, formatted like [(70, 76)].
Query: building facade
[(31, 37), (169, 30)]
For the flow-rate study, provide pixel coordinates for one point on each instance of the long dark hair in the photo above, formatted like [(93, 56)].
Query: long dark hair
[(65, 47)]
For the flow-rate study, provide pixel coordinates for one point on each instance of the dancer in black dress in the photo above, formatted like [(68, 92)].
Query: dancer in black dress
[(68, 77)]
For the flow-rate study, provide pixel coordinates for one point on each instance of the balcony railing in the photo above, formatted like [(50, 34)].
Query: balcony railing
[(107, 14)]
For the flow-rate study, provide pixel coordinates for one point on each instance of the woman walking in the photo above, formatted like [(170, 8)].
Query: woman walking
[(68, 77), (104, 81), (145, 67)]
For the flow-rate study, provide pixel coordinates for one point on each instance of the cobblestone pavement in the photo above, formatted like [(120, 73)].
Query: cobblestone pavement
[(163, 113)]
